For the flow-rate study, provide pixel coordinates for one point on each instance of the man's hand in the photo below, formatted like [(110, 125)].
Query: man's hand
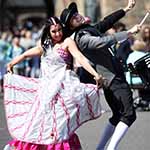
[(134, 29), (131, 4)]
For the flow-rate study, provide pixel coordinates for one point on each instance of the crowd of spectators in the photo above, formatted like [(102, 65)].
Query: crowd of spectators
[(13, 42), (128, 52)]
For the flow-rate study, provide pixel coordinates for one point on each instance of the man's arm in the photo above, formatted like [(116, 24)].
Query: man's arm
[(130, 5), (109, 20), (89, 42)]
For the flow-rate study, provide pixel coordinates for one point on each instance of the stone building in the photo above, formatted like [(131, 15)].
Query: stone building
[(14, 12), (17, 11), (133, 17), (108, 6)]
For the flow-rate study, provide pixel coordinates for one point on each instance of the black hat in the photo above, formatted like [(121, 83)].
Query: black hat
[(67, 13)]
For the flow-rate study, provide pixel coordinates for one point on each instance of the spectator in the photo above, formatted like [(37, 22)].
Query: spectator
[(123, 48), (4, 46), (92, 10), (137, 52), (27, 42), (145, 36), (133, 79), (16, 50)]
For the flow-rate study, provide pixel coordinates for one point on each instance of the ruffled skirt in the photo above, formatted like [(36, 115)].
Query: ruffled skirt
[(72, 144), (46, 113)]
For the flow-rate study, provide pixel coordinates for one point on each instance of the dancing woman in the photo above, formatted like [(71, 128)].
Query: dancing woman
[(44, 113)]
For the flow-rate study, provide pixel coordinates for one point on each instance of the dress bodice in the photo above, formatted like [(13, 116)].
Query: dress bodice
[(59, 54), (53, 60), (65, 55)]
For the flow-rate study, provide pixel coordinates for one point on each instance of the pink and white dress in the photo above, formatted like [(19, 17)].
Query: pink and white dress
[(44, 113)]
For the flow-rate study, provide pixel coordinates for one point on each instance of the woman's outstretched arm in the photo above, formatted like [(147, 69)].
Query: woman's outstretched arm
[(36, 51)]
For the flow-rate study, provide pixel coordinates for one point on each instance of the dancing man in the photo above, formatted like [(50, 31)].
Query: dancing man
[(97, 48)]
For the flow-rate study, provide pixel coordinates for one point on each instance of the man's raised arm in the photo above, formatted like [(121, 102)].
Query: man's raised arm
[(111, 19)]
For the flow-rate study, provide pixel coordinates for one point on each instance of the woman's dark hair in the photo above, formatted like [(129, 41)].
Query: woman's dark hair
[(46, 40)]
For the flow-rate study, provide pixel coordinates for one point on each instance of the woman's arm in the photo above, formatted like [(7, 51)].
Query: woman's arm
[(72, 48), (36, 51)]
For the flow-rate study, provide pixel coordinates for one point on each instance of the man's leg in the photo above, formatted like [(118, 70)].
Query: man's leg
[(106, 136), (118, 134), (7, 147), (119, 98), (124, 99), (110, 127)]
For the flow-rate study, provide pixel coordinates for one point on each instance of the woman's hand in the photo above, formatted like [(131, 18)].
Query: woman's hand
[(9, 68), (99, 80)]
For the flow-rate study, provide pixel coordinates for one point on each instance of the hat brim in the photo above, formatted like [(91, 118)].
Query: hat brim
[(72, 9)]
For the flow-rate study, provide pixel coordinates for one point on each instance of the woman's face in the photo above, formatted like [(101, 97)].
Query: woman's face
[(56, 33)]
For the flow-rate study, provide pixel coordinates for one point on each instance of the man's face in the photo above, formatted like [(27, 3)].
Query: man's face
[(76, 21)]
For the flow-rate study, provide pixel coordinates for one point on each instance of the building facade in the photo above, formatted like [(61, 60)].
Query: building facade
[(17, 11)]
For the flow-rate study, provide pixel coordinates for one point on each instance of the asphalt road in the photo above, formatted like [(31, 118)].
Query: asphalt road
[(137, 138)]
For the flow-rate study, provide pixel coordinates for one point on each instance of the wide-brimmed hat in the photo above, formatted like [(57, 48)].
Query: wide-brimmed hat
[(67, 13)]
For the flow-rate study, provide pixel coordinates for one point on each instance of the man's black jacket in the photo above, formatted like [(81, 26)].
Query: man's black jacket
[(96, 47)]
